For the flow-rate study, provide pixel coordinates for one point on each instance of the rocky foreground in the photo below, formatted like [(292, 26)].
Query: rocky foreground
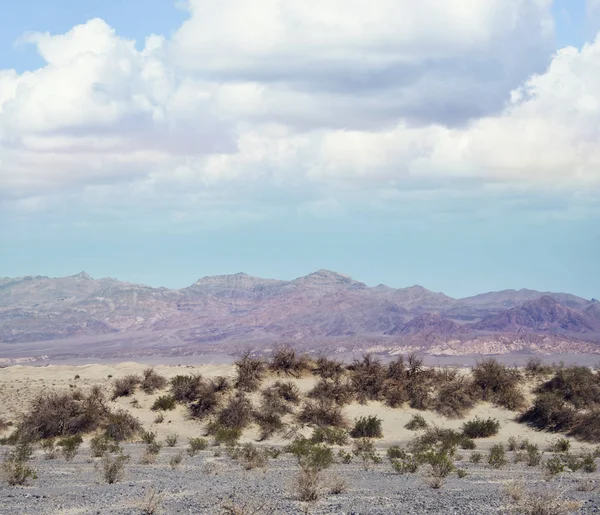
[(211, 484)]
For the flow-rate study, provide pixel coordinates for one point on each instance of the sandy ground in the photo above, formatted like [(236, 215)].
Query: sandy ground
[(20, 384)]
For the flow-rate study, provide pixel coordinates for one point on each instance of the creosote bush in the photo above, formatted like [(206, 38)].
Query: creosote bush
[(496, 383), (196, 445), (121, 426), (322, 413), (151, 381), (367, 427), (101, 444), (237, 412), (185, 388), (480, 428), (113, 467), (330, 435), (416, 423), (250, 372), (125, 386), (164, 403), (497, 456), (286, 361), (171, 440), (70, 445)]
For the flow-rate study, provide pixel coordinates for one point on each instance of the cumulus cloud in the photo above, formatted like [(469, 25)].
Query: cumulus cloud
[(255, 108)]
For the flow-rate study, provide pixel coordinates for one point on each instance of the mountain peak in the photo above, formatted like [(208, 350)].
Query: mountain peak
[(82, 275)]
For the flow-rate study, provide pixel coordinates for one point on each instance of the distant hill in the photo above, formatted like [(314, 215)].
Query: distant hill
[(81, 315)]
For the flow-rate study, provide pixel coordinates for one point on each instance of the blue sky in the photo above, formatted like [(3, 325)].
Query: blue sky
[(456, 152)]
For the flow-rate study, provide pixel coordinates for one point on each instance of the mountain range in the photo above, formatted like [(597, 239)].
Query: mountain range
[(324, 311)]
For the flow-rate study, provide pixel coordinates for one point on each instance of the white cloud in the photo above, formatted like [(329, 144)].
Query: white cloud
[(269, 105)]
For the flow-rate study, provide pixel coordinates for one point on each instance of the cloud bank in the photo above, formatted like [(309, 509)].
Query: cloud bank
[(318, 107)]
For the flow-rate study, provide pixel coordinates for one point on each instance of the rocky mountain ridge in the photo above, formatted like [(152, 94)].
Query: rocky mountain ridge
[(323, 310)]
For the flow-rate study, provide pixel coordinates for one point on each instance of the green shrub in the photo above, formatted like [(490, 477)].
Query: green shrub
[(479, 428), (113, 467), (364, 449), (253, 457), (70, 446), (164, 403), (101, 444), (554, 465), (416, 422), (367, 377), (311, 455), (550, 413), (497, 456), (330, 435), (560, 445), (496, 383), (171, 440), (148, 437), (345, 457), (579, 386), (395, 452), (440, 467), (17, 472), (476, 457), (367, 427), (224, 435), (196, 445), (461, 473)]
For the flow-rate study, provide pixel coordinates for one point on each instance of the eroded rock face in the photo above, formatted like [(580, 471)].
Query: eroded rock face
[(324, 310)]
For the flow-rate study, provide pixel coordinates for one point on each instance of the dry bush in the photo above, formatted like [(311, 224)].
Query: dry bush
[(233, 506), (125, 386), (70, 445), (121, 426), (322, 413), (60, 414), (337, 390), (579, 386), (587, 485), (480, 428), (3, 425), (367, 377), (152, 381), (330, 435), (176, 460), (207, 402), (550, 413), (113, 467), (337, 485), (100, 445), (308, 485), (395, 393), (171, 440), (151, 503), (328, 368), (416, 423), (252, 457), (455, 397), (279, 398), (534, 368), (15, 469), (286, 361), (269, 423), (220, 384), (237, 413), (196, 445), (543, 502), (586, 427), (250, 373), (364, 449), (367, 427), (185, 388), (496, 383)]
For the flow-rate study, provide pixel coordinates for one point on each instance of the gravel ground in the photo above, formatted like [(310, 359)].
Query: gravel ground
[(205, 483)]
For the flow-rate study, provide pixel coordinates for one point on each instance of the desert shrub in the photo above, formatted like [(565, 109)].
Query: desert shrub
[(3, 425), (249, 373), (125, 386), (153, 448), (330, 435), (48, 446), (148, 437), (286, 361), (224, 435), (395, 393), (152, 381), (588, 462), (176, 460), (498, 384), (416, 422), (586, 427), (440, 466), (61, 414), (476, 457), (70, 446), (269, 423), (121, 426), (454, 397), (367, 378), (497, 456), (15, 468), (367, 427), (395, 452), (336, 390), (579, 386), (101, 444), (560, 445), (542, 502), (479, 428), (159, 419), (171, 440), (467, 443), (196, 445), (207, 402), (185, 388), (310, 454), (433, 438), (252, 457), (337, 485), (550, 413), (321, 413), (535, 368), (345, 457), (364, 449), (308, 485), (237, 413), (328, 368), (533, 455), (554, 465), (164, 403), (279, 398), (407, 465), (113, 467)]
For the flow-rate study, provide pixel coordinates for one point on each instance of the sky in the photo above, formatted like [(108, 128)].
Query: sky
[(454, 145)]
